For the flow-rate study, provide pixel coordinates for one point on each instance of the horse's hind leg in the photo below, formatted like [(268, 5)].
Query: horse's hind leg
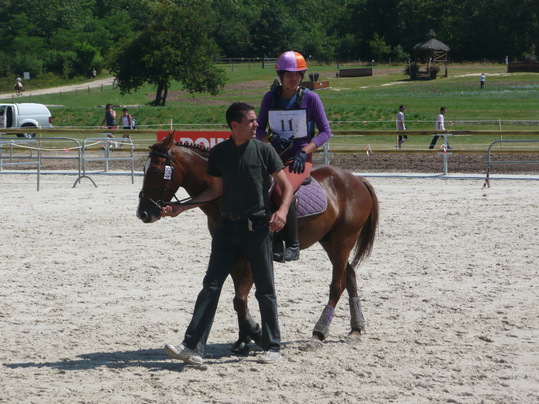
[(357, 321)]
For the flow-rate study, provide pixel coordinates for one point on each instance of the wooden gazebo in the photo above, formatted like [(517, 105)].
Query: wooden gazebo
[(432, 51)]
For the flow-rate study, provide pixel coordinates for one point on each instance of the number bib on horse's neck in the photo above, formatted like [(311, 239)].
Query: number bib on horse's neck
[(287, 123)]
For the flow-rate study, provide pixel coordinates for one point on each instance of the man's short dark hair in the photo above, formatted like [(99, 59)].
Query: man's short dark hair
[(236, 112)]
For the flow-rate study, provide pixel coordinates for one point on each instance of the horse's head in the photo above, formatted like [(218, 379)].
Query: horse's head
[(159, 185), (168, 168)]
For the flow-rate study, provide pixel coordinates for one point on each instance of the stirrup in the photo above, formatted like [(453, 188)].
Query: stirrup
[(279, 256), (288, 254)]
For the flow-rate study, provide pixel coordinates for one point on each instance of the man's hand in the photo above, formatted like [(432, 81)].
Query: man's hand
[(277, 221), (172, 210), (298, 162)]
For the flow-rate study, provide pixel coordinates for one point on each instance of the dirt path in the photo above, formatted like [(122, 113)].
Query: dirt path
[(73, 87)]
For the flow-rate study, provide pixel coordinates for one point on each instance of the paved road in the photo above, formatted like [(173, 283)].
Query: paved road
[(82, 86)]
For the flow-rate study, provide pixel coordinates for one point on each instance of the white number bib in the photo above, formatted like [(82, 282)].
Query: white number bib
[(287, 123)]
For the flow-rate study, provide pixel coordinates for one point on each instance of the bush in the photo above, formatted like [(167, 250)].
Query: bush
[(411, 70), (434, 70), (529, 58)]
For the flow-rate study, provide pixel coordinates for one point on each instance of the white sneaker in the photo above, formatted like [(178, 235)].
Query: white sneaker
[(183, 353), (269, 357)]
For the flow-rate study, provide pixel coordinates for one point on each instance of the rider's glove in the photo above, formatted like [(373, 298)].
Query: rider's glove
[(280, 143), (298, 162)]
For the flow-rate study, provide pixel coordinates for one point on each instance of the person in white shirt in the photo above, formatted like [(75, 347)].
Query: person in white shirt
[(482, 79), (439, 126), (400, 126)]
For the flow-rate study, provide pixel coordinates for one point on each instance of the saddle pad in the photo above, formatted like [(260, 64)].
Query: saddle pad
[(311, 199)]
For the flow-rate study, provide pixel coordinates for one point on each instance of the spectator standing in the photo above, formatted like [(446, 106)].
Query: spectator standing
[(440, 125), (127, 122), (127, 119), (399, 120), (110, 117), (482, 79), (110, 120), (240, 168)]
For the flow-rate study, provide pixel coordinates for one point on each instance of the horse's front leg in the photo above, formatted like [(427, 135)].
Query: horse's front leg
[(321, 329), (341, 280), (249, 329)]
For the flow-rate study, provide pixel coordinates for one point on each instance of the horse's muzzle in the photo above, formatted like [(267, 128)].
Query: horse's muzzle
[(148, 212)]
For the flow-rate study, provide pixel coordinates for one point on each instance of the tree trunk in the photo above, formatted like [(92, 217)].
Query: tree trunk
[(164, 97), (157, 100), (161, 94)]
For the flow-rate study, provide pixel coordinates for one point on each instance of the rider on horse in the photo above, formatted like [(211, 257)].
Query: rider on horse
[(18, 86), (292, 112)]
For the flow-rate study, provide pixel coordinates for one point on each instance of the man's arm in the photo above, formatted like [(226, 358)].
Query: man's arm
[(214, 191), (278, 219)]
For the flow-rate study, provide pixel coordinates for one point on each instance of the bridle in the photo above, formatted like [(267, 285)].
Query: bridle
[(167, 178)]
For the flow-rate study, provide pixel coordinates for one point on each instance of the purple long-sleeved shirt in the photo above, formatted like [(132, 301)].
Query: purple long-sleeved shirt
[(315, 112)]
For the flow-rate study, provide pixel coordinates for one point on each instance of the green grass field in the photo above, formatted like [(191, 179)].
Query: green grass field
[(509, 102)]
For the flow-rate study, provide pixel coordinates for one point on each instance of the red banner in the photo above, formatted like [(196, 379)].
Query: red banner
[(206, 138)]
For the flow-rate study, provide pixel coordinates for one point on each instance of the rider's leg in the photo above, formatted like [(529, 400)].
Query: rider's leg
[(290, 230), (291, 252)]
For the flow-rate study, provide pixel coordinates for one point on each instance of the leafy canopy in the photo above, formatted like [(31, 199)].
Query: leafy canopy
[(174, 45)]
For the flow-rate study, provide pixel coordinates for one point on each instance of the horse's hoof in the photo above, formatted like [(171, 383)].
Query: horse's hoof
[(240, 348), (353, 338), (314, 344)]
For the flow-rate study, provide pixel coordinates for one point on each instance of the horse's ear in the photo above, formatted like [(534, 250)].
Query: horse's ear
[(168, 141)]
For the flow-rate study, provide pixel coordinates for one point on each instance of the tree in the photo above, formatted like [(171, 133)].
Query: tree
[(273, 32), (232, 31), (174, 46), (379, 48), (400, 54)]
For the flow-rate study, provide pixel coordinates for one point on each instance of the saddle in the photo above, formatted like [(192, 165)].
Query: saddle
[(310, 198)]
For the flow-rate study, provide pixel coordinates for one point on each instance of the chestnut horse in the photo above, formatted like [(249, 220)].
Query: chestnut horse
[(346, 229)]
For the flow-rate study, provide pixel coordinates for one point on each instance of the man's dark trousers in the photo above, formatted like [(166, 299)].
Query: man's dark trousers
[(230, 240)]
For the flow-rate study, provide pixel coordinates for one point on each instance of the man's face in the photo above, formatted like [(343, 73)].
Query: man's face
[(246, 129)]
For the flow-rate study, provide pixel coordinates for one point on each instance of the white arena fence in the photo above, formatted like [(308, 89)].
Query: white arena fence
[(17, 153)]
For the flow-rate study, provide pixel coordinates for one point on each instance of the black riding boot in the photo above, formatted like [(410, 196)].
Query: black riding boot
[(291, 252)]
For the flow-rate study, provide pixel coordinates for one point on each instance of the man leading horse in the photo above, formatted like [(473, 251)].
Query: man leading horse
[(240, 168)]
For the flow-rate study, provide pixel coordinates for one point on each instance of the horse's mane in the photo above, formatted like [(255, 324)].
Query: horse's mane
[(202, 151)]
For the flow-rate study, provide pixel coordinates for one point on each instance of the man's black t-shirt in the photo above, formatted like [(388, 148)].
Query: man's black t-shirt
[(245, 171)]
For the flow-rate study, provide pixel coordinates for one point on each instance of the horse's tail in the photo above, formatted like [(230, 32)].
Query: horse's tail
[(365, 239)]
